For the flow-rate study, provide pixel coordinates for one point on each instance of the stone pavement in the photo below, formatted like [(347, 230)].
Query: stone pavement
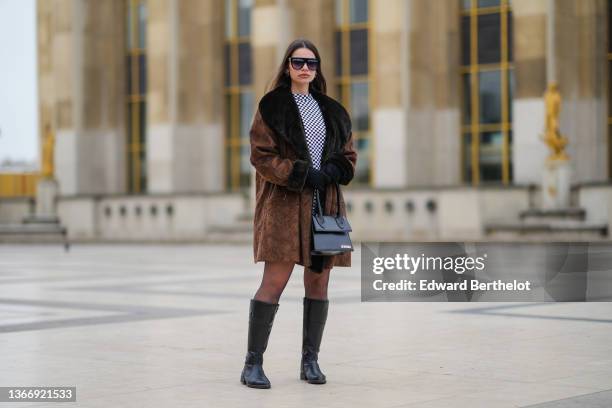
[(165, 326)]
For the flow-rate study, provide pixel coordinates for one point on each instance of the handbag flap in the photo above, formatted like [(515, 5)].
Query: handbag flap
[(330, 223)]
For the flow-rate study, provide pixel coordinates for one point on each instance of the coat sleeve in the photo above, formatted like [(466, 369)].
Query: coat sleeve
[(345, 160), (266, 159)]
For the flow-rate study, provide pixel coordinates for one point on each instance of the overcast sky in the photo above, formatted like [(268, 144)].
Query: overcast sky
[(18, 81)]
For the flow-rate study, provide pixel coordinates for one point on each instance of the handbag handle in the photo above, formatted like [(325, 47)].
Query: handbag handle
[(337, 201)]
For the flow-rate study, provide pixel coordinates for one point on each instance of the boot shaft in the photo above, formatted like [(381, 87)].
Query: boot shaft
[(261, 319), (315, 316)]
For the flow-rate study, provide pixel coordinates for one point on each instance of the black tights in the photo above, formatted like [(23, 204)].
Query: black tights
[(277, 274)]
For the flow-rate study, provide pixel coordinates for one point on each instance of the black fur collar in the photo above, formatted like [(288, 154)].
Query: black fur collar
[(280, 112)]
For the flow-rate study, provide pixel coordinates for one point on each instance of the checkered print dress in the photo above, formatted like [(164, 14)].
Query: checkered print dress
[(314, 126)]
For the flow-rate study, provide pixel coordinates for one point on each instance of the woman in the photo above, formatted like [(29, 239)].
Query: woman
[(301, 145)]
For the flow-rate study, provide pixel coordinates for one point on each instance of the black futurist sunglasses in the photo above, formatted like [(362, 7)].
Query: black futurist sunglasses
[(298, 63)]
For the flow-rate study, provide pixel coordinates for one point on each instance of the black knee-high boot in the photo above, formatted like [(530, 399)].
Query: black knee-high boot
[(315, 316), (261, 318)]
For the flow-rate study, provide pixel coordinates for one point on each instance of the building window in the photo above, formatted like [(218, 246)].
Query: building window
[(238, 92), (136, 90), (610, 87), (487, 83), (352, 48)]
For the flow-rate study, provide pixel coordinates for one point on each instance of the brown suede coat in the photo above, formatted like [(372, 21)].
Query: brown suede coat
[(279, 153)]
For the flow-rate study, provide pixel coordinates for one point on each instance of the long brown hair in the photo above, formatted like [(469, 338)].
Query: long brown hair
[(284, 79)]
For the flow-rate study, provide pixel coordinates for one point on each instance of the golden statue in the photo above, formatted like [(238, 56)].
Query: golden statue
[(47, 153), (552, 137)]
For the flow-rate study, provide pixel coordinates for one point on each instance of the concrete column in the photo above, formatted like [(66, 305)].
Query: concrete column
[(276, 23), (185, 96), (271, 32), (433, 123), (530, 20), (580, 53), (81, 80), (390, 48), (314, 20)]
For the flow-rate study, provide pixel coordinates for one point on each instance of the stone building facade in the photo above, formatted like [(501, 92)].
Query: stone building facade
[(151, 101)]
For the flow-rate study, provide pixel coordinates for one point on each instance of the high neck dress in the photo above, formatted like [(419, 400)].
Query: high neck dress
[(314, 128)]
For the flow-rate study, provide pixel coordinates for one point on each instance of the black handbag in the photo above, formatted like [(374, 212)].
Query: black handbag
[(330, 233)]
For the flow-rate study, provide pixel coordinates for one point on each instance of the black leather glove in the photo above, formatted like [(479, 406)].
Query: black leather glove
[(333, 171), (317, 179)]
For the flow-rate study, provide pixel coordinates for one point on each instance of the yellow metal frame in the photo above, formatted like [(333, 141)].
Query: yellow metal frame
[(233, 140), (345, 80), (505, 66), (133, 100)]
